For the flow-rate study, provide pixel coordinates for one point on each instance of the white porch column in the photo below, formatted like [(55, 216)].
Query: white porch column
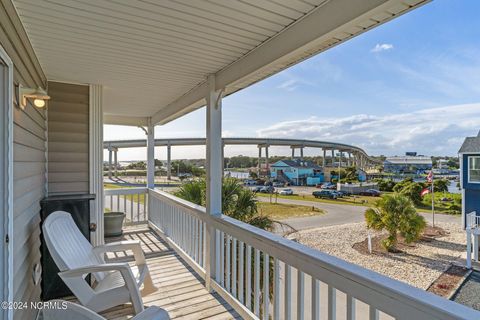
[(95, 115), (150, 155), (214, 177), (169, 162)]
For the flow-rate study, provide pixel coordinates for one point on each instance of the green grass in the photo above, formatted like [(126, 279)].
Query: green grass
[(281, 211), (440, 206), (354, 201)]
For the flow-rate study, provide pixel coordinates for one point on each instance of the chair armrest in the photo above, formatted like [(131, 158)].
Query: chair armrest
[(133, 245), (152, 313), (74, 280), (79, 272)]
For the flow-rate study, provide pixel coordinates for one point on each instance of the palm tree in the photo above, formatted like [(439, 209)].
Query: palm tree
[(396, 214), (237, 202)]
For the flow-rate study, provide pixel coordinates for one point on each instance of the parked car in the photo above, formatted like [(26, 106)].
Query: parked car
[(371, 193), (344, 193), (278, 184), (249, 182), (324, 194), (329, 185), (286, 192), (267, 189), (256, 188)]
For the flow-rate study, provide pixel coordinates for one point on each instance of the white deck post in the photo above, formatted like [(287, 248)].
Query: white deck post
[(169, 162), (214, 166), (469, 248), (150, 155)]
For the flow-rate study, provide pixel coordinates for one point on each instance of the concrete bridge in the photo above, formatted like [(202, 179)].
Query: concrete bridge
[(352, 155)]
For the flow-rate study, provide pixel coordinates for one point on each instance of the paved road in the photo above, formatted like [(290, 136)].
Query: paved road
[(336, 214)]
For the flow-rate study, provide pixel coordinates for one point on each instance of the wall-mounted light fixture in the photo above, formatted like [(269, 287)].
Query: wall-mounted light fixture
[(38, 95)]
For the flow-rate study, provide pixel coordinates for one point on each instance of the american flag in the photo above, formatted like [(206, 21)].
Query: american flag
[(425, 191), (430, 176)]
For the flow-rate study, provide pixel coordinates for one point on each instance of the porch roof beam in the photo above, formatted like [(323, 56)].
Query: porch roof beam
[(301, 40), (125, 120)]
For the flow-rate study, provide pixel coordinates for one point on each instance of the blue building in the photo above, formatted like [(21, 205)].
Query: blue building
[(469, 155), (296, 172)]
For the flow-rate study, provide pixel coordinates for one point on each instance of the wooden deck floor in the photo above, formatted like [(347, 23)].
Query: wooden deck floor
[(180, 290)]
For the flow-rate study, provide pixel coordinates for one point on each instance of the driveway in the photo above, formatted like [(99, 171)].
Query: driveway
[(336, 214)]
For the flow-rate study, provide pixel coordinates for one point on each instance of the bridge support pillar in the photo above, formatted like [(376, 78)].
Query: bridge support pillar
[(259, 164), (266, 161), (169, 162), (110, 163), (324, 160), (150, 155), (333, 157), (349, 162), (293, 152), (301, 153), (115, 162)]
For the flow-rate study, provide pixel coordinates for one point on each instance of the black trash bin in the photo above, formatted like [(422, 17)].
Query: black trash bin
[(79, 207)]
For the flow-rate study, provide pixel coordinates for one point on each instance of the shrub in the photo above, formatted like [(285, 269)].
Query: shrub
[(397, 215)]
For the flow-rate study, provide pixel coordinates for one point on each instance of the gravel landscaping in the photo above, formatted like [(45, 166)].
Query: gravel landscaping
[(419, 264)]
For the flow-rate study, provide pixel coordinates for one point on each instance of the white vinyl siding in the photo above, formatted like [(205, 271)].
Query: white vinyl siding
[(29, 136), (474, 169), (68, 139)]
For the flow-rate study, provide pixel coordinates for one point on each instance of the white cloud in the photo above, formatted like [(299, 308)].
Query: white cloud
[(289, 85), (434, 131), (382, 47)]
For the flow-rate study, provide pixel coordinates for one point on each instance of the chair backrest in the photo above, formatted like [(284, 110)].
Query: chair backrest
[(62, 310), (67, 245)]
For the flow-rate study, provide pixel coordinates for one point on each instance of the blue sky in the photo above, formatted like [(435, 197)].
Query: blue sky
[(412, 84)]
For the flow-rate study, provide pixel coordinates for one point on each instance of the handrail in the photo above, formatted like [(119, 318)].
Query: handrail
[(385, 294)]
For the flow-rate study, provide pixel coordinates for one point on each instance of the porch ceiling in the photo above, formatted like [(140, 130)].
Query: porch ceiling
[(152, 57)]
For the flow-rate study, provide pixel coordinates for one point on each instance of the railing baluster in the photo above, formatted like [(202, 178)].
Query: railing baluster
[(217, 257), (373, 313), (138, 207), (234, 267), (300, 295), (248, 276), (350, 307), (266, 285), (256, 276), (315, 299), (288, 292), (241, 279), (118, 202), (332, 303), (276, 289), (227, 273), (222, 257)]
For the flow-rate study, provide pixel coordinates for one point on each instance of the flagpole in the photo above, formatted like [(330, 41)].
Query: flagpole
[(433, 203)]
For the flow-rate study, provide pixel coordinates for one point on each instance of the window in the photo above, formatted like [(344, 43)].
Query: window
[(474, 169)]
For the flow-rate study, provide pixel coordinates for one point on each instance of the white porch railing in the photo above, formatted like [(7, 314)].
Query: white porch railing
[(473, 221), (255, 272), (132, 201)]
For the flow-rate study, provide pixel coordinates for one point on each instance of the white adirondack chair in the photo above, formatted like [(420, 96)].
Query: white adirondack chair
[(73, 311), (115, 283)]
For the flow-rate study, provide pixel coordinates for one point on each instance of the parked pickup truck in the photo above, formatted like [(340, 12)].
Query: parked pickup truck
[(324, 194)]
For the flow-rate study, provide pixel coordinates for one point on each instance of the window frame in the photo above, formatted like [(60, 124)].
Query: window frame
[(469, 158)]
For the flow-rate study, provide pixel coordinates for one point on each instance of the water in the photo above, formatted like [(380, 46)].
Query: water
[(452, 187)]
